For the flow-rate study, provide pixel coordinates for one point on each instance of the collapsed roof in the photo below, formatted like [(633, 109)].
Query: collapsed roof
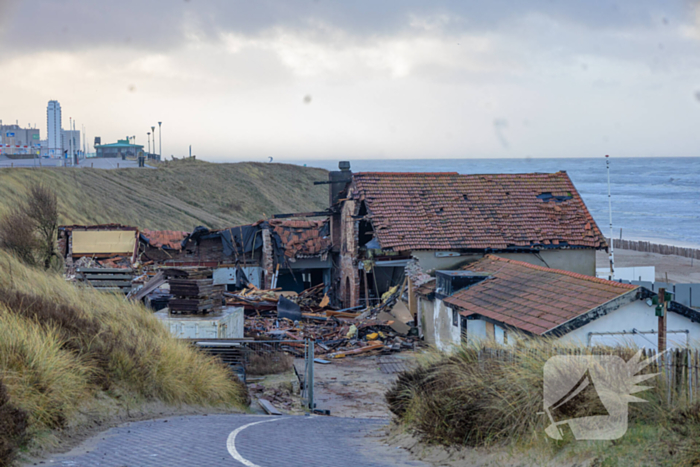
[(445, 211), (303, 238), (166, 239)]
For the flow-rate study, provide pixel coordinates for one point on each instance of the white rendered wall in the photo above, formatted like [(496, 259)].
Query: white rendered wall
[(636, 315)]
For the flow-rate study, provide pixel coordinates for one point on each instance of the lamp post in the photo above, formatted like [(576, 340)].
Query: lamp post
[(160, 141), (153, 131), (149, 142)]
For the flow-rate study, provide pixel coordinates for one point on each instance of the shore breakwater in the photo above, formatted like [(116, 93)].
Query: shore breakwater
[(649, 247)]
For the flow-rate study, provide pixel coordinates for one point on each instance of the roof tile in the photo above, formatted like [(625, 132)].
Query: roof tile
[(553, 296), (443, 211)]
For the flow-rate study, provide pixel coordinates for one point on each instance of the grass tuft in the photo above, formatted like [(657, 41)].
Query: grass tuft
[(490, 396)]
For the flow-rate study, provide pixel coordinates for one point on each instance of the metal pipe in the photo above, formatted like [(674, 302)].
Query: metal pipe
[(312, 405)]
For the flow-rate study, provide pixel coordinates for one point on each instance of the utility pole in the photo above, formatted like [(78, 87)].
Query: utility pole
[(160, 141), (75, 156), (70, 141), (612, 249), (149, 142), (662, 320)]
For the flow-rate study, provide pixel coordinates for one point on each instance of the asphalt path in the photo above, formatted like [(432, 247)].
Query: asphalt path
[(239, 440), (95, 163)]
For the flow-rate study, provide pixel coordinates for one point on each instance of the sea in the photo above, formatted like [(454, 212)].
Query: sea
[(653, 199)]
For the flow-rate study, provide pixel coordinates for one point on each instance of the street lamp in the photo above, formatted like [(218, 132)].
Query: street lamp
[(149, 142), (160, 142), (153, 129)]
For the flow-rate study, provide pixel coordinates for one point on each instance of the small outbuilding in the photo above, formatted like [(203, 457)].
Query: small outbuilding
[(495, 297), (122, 148)]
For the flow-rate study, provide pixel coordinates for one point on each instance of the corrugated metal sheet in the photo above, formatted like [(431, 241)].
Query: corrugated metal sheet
[(104, 241)]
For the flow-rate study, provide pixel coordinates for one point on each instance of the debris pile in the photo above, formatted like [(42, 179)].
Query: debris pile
[(276, 315), (280, 397), (193, 291)]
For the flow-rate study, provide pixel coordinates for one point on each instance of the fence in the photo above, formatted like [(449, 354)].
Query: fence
[(677, 381), (649, 247), (260, 357), (685, 294)]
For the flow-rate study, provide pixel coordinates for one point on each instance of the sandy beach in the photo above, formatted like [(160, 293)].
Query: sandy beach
[(678, 268)]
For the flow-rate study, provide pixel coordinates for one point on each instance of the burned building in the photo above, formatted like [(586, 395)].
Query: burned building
[(383, 221), (113, 244)]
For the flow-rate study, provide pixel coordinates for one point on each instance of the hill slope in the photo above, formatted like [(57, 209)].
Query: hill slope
[(179, 195)]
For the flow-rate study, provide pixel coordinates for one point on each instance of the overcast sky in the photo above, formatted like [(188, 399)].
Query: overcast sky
[(310, 79)]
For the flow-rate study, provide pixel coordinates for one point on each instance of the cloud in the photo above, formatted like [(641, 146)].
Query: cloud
[(386, 79), (163, 25)]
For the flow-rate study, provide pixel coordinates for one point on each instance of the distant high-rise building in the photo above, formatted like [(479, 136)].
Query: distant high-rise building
[(54, 129)]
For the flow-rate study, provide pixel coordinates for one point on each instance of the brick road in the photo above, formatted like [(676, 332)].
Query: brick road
[(202, 441)]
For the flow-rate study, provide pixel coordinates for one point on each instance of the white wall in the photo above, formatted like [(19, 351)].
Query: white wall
[(428, 261), (634, 273), (445, 334), (578, 261), (636, 315)]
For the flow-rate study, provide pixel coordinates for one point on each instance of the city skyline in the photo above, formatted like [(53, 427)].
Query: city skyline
[(328, 80)]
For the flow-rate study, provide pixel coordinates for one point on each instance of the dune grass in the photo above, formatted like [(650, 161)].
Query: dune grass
[(177, 195), (466, 399), (61, 346)]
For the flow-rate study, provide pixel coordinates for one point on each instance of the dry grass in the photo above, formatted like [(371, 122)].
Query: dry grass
[(61, 345), (13, 428), (179, 195), (269, 363), (460, 399)]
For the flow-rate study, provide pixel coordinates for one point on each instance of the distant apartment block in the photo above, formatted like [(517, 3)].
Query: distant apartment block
[(54, 129), (17, 140), (71, 141)]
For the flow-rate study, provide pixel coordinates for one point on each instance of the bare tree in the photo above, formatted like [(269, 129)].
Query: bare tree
[(42, 207), (17, 235), (29, 231)]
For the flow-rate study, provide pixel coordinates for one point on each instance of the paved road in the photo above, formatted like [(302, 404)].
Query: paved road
[(235, 440), (102, 163)]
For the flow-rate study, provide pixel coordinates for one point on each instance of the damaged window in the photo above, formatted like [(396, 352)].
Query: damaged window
[(548, 196)]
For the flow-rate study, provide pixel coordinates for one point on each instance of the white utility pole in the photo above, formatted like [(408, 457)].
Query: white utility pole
[(612, 240)]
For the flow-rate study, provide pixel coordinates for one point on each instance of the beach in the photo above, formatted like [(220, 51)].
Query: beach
[(678, 268)]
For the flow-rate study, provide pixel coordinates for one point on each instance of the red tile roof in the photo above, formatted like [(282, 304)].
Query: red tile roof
[(165, 238), (444, 211), (302, 237), (532, 298)]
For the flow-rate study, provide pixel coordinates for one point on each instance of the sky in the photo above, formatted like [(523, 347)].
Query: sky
[(375, 79)]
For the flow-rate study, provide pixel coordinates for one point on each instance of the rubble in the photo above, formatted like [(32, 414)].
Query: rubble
[(337, 333)]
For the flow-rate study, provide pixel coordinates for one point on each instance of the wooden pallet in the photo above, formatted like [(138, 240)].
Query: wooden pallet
[(107, 279)]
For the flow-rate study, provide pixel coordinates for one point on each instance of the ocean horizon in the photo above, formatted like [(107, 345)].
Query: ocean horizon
[(654, 199)]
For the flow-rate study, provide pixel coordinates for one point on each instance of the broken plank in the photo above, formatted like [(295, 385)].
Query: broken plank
[(369, 348), (268, 407), (110, 283)]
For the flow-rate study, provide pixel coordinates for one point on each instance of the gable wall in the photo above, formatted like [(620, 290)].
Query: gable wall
[(636, 315)]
